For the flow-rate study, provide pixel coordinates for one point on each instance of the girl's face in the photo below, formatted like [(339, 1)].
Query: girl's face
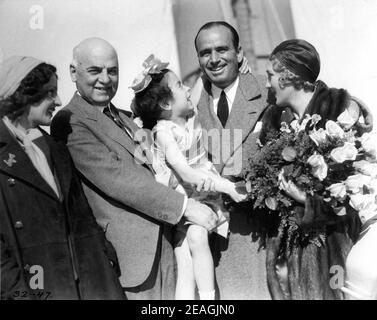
[(180, 104), (41, 112)]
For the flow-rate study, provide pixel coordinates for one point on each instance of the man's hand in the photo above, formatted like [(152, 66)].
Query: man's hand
[(237, 191), (245, 68), (200, 214), (367, 126)]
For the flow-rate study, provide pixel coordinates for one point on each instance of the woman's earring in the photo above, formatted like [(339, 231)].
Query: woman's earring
[(167, 107)]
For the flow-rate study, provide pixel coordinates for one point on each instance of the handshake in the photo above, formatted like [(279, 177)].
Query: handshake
[(201, 214)]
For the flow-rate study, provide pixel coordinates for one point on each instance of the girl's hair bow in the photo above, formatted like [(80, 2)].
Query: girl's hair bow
[(151, 65)]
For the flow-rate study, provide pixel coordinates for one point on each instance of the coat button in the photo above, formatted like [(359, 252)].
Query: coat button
[(11, 182), (18, 225)]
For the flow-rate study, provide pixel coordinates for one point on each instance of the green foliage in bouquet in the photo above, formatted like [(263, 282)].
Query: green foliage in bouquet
[(318, 161)]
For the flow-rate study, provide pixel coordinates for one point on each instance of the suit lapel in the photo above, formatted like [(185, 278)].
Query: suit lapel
[(23, 168), (143, 139), (208, 119), (244, 114), (108, 127), (104, 123), (211, 124)]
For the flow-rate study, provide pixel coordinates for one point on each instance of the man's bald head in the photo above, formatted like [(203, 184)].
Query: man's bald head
[(92, 47), (94, 69)]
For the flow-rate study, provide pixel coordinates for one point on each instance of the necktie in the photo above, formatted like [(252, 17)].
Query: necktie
[(113, 115), (118, 121), (222, 108)]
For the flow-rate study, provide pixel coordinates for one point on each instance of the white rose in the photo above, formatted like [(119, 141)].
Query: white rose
[(337, 190), (319, 166), (334, 130), (368, 142), (365, 204), (289, 154), (356, 182), (367, 168), (345, 119), (341, 154), (295, 125), (373, 186), (304, 122), (271, 203), (284, 127), (318, 136), (363, 201), (316, 118)]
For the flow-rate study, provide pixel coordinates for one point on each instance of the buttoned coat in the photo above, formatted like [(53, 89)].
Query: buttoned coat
[(241, 271), (126, 200), (42, 235)]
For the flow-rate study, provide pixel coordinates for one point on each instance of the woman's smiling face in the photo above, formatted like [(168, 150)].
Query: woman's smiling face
[(281, 92), (41, 113)]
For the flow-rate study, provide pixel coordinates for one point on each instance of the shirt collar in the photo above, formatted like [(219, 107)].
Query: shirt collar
[(230, 91), (103, 108), (100, 109)]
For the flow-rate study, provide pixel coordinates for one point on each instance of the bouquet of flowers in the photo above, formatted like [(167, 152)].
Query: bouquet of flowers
[(328, 162)]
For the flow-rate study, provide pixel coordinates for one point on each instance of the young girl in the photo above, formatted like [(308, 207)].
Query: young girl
[(163, 104)]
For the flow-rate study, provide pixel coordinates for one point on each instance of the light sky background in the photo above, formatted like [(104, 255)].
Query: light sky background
[(345, 35), (343, 31), (136, 28)]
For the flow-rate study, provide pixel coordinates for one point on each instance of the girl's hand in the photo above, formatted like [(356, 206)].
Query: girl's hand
[(235, 194), (291, 189), (206, 185)]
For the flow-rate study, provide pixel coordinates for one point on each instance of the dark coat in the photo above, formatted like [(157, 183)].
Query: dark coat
[(310, 274), (61, 236)]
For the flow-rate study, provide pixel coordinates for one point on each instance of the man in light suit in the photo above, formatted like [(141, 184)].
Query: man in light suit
[(230, 109), (134, 210)]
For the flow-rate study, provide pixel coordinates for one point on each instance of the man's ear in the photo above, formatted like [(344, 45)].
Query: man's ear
[(73, 72), (239, 54)]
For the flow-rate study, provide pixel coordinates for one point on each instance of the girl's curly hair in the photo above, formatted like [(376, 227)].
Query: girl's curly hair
[(147, 103), (29, 92), (289, 78)]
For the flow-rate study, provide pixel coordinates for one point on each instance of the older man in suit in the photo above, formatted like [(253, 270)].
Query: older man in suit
[(135, 211), (230, 109)]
